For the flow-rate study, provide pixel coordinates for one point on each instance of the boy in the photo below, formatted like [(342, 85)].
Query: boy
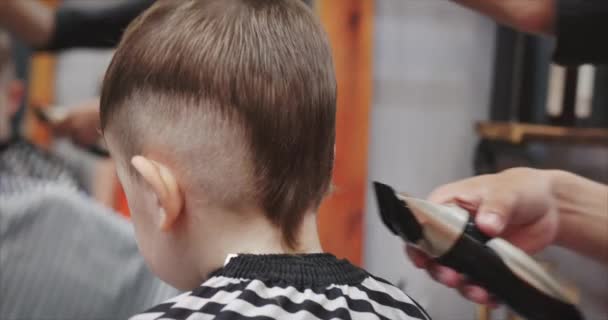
[(221, 117)]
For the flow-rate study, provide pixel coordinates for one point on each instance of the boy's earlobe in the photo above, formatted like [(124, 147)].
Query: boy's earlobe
[(164, 185)]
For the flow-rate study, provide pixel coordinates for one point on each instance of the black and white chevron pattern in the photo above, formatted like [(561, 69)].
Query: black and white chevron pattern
[(231, 298)]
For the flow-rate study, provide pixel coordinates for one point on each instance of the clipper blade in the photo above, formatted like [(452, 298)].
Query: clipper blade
[(396, 215)]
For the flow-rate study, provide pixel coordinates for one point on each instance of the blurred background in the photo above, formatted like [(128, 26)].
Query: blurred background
[(429, 93)]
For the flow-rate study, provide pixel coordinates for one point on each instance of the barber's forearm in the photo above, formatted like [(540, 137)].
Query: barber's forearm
[(583, 212), (30, 20), (532, 16)]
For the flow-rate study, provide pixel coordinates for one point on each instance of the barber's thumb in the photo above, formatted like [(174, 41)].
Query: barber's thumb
[(491, 220)]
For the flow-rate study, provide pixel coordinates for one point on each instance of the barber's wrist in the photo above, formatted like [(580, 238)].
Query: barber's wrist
[(578, 202), (560, 181)]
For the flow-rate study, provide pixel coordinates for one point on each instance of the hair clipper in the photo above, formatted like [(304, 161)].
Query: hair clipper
[(450, 236)]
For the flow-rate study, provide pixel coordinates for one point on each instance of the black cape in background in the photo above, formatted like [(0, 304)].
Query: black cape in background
[(93, 28)]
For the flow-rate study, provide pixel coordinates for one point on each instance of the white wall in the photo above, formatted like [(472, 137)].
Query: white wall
[(432, 74)]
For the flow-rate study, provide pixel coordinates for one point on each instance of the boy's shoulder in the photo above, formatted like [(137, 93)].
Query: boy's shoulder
[(395, 295), (234, 294)]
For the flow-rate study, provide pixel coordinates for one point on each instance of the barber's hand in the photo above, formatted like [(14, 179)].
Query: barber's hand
[(81, 124), (516, 204)]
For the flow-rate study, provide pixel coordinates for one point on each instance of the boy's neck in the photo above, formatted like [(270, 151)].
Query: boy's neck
[(254, 236)]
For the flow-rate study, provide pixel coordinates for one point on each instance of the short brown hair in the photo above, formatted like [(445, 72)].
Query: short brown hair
[(263, 67)]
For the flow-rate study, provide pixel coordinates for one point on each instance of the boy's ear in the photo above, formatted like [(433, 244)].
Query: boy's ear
[(164, 185)]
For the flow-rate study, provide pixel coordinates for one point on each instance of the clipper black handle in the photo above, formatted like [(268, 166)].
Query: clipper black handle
[(471, 256)]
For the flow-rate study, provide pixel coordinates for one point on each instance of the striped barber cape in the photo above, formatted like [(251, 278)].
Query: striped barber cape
[(311, 286)]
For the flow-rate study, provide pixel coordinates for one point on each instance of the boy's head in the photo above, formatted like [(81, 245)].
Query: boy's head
[(11, 90), (220, 106)]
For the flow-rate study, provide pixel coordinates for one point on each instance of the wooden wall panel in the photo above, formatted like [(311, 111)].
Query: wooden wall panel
[(349, 24), (41, 92)]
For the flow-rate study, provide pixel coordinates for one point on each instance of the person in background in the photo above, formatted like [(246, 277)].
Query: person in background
[(11, 89), (17, 156), (47, 29), (536, 208), (63, 256)]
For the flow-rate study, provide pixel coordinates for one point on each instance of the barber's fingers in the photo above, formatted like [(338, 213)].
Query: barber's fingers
[(495, 212), (446, 276), (419, 258), (450, 278), (492, 206), (477, 294), (442, 274), (467, 193)]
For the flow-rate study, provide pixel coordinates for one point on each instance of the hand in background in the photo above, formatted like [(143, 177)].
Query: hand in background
[(81, 124)]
